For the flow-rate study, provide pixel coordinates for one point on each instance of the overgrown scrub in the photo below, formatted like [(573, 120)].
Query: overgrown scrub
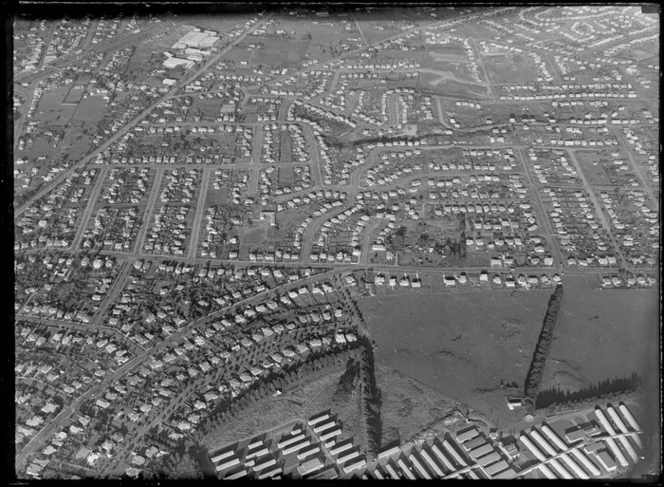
[(279, 380)]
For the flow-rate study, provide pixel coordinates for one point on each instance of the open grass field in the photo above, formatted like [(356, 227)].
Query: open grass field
[(279, 52), (592, 166), (301, 403), (508, 68), (286, 176), (215, 197), (408, 406), (77, 148), (462, 345), (51, 110), (438, 83), (221, 23), (91, 109), (256, 234), (603, 334), (75, 94)]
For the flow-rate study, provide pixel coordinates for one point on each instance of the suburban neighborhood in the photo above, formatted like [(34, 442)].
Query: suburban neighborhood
[(332, 243)]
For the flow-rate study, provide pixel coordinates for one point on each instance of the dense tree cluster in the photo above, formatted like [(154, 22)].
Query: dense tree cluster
[(555, 398), (347, 382), (534, 377)]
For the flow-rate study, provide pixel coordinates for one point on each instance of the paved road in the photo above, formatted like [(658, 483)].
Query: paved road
[(20, 125), (487, 83), (116, 287), (149, 209), (38, 440), (92, 201), (359, 29), (200, 211), (53, 322), (598, 209), (542, 215), (636, 167)]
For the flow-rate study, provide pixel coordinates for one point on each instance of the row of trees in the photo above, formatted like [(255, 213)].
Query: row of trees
[(556, 398), (278, 381), (534, 377), (611, 397), (371, 397)]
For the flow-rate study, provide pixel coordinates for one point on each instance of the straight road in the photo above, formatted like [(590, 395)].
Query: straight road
[(20, 124), (598, 209), (487, 83), (542, 216), (67, 325), (256, 149), (92, 201), (149, 209), (638, 169), (116, 288), (359, 29), (200, 210)]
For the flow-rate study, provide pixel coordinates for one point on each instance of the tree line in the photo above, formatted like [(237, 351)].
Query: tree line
[(555, 398), (277, 381), (371, 397), (536, 370)]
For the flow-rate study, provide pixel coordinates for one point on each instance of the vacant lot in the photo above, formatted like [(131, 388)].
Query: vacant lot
[(215, 197), (592, 165), (602, 334), (462, 345)]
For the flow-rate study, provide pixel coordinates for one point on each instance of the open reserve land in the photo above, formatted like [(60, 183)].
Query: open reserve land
[(462, 345), (602, 334)]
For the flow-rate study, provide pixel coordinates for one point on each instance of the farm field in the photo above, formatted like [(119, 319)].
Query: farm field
[(602, 334), (462, 345)]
